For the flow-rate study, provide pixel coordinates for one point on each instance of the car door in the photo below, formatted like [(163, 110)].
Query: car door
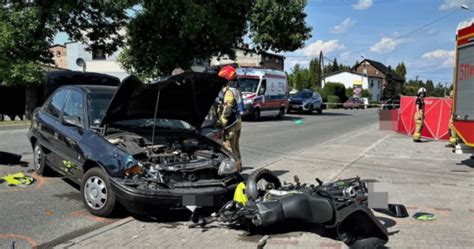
[(317, 100), (47, 122), (70, 132)]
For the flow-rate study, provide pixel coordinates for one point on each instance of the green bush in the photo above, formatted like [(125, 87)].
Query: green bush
[(333, 99), (336, 89), (321, 92)]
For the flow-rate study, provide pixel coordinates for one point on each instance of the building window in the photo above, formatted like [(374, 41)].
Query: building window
[(277, 61), (376, 72), (267, 58), (98, 54)]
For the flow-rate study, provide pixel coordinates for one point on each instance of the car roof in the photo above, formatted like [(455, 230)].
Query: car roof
[(92, 88)]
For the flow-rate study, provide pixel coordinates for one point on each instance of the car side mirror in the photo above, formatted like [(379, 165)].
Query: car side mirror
[(74, 121), (262, 91)]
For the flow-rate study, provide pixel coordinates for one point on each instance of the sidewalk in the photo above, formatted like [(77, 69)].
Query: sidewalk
[(425, 177)]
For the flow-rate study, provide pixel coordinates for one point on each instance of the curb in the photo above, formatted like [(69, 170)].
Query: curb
[(14, 127), (95, 233)]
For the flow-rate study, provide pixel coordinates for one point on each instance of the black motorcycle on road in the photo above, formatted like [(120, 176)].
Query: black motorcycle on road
[(341, 207)]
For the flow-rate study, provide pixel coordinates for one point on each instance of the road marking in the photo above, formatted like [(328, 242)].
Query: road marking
[(361, 155), (29, 240), (295, 153)]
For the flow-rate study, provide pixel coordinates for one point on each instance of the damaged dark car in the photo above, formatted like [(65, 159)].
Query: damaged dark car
[(137, 145)]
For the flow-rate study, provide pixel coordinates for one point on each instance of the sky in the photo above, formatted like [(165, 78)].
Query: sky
[(420, 33)]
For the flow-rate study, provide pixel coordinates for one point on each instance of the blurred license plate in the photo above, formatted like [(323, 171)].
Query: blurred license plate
[(198, 200), (296, 106)]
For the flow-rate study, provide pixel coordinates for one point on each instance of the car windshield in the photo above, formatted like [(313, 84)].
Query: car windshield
[(303, 95), (98, 103), (160, 122), (248, 85)]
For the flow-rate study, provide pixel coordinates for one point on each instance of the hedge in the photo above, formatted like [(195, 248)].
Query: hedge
[(333, 99)]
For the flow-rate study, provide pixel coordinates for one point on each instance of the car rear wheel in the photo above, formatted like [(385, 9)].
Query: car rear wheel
[(97, 192), (39, 160), (320, 110)]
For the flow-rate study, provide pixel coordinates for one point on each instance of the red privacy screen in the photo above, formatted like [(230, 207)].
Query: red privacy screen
[(437, 115)]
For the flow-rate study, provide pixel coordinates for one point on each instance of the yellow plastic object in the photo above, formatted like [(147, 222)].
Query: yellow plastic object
[(18, 179), (239, 194)]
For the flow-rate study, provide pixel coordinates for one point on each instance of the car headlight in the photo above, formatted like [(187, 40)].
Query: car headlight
[(133, 166), (228, 167)]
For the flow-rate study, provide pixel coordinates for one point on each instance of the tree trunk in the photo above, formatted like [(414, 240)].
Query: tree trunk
[(31, 100)]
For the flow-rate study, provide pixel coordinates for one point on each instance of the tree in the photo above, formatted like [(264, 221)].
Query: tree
[(28, 28), (429, 87), (315, 73), (401, 70), (204, 29), (299, 78), (411, 87), (335, 66)]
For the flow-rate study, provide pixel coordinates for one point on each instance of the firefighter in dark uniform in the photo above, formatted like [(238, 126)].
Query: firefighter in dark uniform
[(419, 114), (230, 117)]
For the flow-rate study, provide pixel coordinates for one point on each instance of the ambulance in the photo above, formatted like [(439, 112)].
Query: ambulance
[(264, 92), (463, 100)]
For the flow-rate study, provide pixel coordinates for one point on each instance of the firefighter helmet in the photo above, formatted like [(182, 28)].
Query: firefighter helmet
[(228, 73), (422, 90)]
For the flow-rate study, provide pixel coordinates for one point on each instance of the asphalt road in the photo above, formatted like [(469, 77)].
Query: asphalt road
[(50, 211)]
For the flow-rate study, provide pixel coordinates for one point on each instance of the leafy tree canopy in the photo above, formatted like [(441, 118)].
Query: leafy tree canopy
[(401, 70), (28, 28), (169, 34)]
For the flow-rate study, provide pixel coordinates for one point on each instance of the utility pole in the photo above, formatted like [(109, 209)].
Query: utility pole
[(321, 65), (445, 88)]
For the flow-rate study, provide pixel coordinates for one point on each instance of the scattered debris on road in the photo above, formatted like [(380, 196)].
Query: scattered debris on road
[(18, 179), (424, 216), (262, 242)]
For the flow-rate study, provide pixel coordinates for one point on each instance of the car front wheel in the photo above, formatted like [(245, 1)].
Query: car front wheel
[(97, 192)]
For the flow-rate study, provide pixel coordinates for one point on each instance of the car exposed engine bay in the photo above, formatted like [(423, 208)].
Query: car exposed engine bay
[(173, 163)]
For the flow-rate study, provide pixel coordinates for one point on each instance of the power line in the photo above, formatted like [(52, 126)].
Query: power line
[(398, 37)]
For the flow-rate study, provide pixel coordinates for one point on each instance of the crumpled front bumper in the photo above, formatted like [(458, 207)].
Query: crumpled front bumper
[(146, 200)]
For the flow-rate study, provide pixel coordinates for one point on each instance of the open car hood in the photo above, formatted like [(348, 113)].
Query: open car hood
[(187, 96), (56, 79)]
